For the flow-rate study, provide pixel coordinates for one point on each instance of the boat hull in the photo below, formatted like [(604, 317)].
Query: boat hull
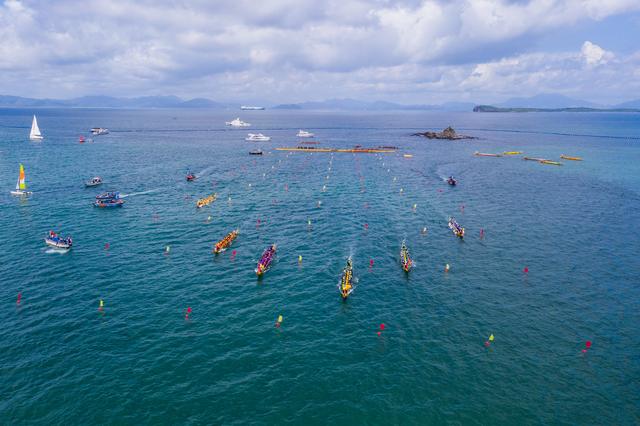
[(21, 193), (57, 244), (108, 205)]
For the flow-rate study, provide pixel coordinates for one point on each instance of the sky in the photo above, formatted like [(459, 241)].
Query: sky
[(281, 51)]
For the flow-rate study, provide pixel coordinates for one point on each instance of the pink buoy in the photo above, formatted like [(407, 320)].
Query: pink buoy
[(366, 226), (19, 298), (106, 246), (381, 326), (370, 263), (526, 270), (588, 344)]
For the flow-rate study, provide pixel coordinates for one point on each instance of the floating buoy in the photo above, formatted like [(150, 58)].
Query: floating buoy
[(526, 270), (370, 263), (106, 246), (481, 233), (300, 258), (415, 206), (186, 316), (366, 226), (401, 190), (382, 327), (233, 253), (167, 249), (208, 218), (319, 203), (279, 321), (395, 178), (446, 267), (19, 298), (424, 231), (249, 185), (324, 188), (101, 305), (488, 342)]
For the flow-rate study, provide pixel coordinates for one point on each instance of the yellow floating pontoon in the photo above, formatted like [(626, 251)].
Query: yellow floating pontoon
[(566, 157), (512, 153)]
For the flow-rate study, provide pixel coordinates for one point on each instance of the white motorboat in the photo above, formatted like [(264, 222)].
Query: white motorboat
[(56, 241), (238, 123), (35, 134), (93, 181), (251, 108), (21, 185), (257, 137), (97, 131), (305, 134)]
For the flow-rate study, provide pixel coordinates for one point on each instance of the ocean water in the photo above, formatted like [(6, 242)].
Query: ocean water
[(575, 227)]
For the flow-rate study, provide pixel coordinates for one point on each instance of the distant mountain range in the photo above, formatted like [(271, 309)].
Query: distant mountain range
[(111, 102), (538, 102)]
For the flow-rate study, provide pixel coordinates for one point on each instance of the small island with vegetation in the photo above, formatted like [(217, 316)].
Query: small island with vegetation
[(490, 108), (447, 133)]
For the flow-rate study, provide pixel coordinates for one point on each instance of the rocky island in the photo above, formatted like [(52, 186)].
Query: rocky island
[(447, 133)]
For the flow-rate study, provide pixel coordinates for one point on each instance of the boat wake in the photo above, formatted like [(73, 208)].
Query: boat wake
[(55, 251), (140, 193), (204, 172)]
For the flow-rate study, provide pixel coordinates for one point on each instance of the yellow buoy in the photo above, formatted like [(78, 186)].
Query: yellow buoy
[(299, 258)]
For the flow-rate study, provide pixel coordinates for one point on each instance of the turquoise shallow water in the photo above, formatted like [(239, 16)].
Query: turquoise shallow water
[(575, 227)]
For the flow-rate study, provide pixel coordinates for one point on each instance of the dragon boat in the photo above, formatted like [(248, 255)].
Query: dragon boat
[(206, 200), (224, 243), (265, 261), (346, 282), (457, 230), (405, 259)]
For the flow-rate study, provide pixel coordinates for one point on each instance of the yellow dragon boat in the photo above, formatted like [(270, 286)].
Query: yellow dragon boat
[(224, 243), (206, 200), (512, 153), (566, 157)]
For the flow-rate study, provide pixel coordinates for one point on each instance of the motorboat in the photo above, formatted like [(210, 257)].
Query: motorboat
[(257, 137), (237, 123), (56, 241), (256, 152), (93, 182), (190, 177), (484, 154), (451, 181), (35, 134), (457, 230), (251, 108), (265, 260), (345, 286), (21, 185), (97, 131), (108, 200), (305, 134)]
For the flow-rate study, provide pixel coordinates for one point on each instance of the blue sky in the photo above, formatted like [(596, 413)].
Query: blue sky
[(275, 51)]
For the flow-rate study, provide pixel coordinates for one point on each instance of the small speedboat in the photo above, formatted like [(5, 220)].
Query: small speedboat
[(190, 177), (305, 134), (457, 230), (108, 200), (93, 182), (56, 241), (451, 181), (256, 152), (345, 286), (237, 123), (265, 260), (97, 131), (257, 137)]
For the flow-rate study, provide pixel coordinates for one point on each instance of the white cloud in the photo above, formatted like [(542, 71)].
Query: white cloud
[(291, 49)]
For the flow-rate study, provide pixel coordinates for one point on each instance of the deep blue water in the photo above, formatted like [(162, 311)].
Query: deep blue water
[(139, 361)]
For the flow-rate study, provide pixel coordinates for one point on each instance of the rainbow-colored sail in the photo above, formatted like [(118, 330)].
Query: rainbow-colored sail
[(21, 181)]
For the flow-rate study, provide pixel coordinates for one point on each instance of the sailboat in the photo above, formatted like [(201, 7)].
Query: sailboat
[(35, 134), (21, 186)]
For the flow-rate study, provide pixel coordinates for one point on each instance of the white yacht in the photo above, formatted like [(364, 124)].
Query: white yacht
[(238, 123), (97, 131), (35, 134), (257, 137), (305, 134), (251, 108)]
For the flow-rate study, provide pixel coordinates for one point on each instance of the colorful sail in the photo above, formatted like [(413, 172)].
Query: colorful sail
[(21, 181)]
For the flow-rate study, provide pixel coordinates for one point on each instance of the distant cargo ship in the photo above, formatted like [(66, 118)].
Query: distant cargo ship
[(251, 108)]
